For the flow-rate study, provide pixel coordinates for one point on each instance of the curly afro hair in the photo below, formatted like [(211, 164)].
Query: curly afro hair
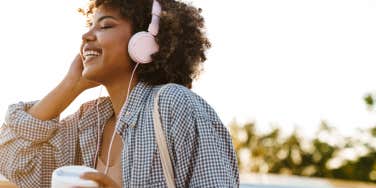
[(181, 38)]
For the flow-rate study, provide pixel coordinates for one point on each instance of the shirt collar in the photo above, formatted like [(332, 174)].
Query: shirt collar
[(105, 111), (130, 110)]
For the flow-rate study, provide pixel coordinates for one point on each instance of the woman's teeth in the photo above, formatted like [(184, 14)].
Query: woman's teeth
[(91, 53)]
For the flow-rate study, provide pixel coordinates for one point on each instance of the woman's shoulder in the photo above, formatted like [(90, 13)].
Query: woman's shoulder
[(177, 94), (174, 91), (178, 97)]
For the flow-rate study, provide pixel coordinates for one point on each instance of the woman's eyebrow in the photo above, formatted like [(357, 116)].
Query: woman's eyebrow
[(106, 17)]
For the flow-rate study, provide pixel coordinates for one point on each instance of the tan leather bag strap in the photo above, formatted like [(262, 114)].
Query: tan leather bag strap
[(162, 144)]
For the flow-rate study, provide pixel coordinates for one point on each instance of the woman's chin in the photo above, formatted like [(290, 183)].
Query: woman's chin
[(89, 74)]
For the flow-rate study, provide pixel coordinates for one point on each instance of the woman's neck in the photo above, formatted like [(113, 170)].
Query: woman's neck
[(117, 91)]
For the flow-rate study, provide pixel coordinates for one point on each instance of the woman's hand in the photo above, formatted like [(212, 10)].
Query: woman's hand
[(57, 100), (102, 179), (74, 76)]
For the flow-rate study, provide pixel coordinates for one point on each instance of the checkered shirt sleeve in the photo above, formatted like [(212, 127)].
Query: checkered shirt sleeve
[(30, 149), (202, 153)]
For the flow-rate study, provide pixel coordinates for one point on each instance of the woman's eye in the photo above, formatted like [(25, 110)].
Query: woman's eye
[(106, 27)]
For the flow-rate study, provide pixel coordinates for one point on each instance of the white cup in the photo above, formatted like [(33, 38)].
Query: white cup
[(69, 176)]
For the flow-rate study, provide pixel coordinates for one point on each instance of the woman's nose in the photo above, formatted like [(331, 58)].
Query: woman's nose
[(88, 36)]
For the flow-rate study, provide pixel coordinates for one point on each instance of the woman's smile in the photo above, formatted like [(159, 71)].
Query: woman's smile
[(90, 53)]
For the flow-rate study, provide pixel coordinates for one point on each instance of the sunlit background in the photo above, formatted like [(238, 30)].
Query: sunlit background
[(274, 63), (290, 63)]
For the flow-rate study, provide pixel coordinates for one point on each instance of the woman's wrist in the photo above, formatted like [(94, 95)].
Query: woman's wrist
[(55, 101), (72, 85)]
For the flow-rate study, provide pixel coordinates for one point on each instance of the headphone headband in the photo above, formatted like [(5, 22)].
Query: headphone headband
[(154, 24)]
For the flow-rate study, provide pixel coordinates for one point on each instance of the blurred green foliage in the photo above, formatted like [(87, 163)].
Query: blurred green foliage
[(326, 153)]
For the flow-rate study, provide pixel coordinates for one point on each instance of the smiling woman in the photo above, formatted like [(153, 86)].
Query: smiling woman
[(116, 134)]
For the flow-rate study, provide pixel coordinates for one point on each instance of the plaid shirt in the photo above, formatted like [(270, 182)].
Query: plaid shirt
[(199, 144)]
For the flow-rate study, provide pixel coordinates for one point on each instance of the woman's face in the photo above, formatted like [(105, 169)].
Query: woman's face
[(104, 46)]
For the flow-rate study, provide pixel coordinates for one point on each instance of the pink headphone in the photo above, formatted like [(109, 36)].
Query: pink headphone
[(142, 44)]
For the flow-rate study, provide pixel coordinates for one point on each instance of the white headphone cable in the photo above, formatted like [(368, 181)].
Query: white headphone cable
[(113, 134), (98, 127)]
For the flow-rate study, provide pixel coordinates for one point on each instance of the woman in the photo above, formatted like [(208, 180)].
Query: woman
[(115, 134)]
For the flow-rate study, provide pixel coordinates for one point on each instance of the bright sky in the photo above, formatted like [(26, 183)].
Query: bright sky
[(291, 62)]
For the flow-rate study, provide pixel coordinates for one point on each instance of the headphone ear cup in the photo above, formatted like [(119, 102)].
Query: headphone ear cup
[(141, 46)]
